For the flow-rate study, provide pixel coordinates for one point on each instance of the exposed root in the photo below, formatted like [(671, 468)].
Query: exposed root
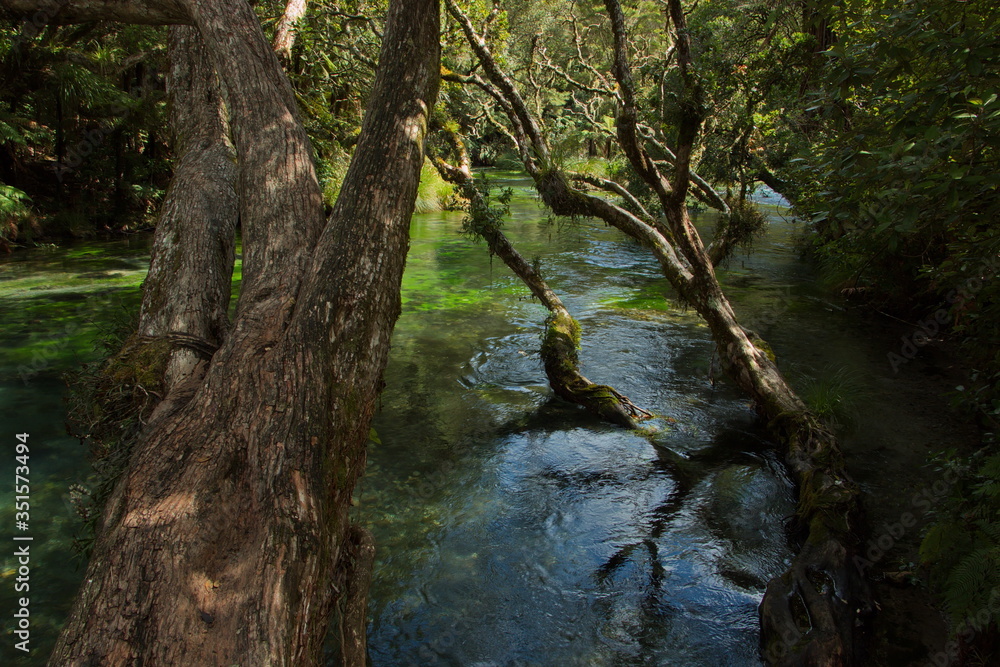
[(809, 614), (815, 613)]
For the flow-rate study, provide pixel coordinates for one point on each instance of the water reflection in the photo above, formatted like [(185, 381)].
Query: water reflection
[(514, 529)]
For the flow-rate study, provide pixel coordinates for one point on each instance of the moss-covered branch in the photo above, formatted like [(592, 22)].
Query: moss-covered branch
[(561, 340)]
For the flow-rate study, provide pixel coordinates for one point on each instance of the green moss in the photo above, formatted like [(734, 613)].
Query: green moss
[(140, 363), (763, 346), (560, 344)]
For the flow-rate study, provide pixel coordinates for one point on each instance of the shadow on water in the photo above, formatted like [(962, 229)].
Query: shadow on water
[(514, 529)]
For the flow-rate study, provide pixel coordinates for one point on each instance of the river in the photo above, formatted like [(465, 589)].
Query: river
[(512, 529)]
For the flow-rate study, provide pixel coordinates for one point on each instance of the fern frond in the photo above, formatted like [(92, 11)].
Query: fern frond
[(968, 581)]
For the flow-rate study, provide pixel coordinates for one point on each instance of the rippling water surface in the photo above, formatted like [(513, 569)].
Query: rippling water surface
[(512, 528)]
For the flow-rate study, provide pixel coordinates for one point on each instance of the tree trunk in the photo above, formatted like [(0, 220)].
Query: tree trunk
[(561, 341), (186, 293), (223, 540), (287, 31)]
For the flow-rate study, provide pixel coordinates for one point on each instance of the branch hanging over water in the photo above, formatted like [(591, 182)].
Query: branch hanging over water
[(562, 332)]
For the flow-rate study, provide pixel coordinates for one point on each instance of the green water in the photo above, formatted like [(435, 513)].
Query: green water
[(512, 529)]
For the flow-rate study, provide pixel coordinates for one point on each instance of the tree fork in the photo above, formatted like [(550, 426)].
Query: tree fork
[(223, 540)]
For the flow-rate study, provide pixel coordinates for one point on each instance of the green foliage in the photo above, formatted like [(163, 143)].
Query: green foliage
[(82, 125), (14, 211), (904, 163), (332, 72), (962, 548), (742, 225), (837, 396), (483, 215), (899, 179), (754, 59)]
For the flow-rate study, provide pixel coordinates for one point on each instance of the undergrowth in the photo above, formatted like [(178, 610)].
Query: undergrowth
[(109, 401)]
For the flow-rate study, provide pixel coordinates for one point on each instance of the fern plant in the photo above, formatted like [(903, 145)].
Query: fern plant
[(962, 548), (14, 211)]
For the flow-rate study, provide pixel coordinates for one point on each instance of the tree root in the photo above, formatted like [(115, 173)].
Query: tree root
[(815, 613)]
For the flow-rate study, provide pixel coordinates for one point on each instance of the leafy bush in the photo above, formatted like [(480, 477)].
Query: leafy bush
[(14, 211), (434, 193)]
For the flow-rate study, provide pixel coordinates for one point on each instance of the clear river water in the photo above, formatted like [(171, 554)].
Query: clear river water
[(512, 529)]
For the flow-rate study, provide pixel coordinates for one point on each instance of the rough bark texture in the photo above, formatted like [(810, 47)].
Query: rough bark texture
[(356, 570), (223, 541), (186, 293)]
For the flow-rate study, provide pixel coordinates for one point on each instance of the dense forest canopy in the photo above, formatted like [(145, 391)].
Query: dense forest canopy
[(879, 123)]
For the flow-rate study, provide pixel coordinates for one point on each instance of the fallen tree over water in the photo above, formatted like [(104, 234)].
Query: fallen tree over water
[(813, 612), (561, 340)]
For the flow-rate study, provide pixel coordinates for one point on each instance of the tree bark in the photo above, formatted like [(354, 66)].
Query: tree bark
[(186, 293), (287, 31), (356, 570), (223, 540)]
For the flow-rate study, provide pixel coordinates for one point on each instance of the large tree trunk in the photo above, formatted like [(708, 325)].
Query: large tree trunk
[(224, 539), (185, 307)]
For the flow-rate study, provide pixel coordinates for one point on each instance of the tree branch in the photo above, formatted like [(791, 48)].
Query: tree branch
[(503, 83), (39, 13)]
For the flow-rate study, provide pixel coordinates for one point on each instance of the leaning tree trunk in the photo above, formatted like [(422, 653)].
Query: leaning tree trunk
[(561, 340), (226, 541), (810, 614)]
